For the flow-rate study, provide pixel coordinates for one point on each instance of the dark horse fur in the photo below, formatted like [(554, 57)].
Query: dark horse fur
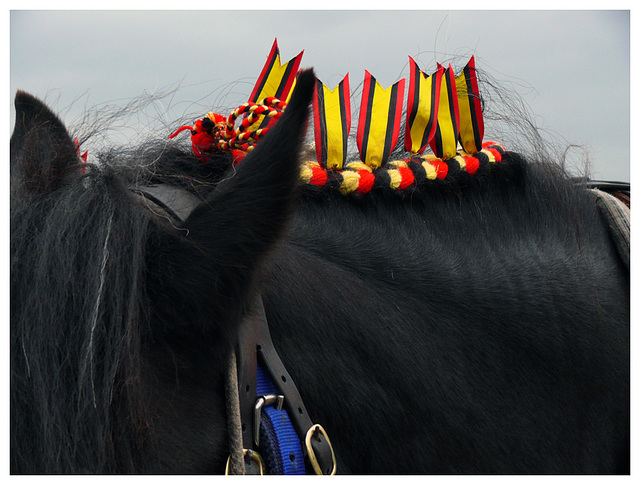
[(476, 325)]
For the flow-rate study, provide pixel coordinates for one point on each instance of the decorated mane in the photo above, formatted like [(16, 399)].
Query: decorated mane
[(443, 113)]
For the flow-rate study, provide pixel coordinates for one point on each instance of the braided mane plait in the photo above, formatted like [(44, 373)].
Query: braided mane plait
[(215, 133), (399, 174)]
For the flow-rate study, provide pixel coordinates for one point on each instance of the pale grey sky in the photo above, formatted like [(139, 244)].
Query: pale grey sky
[(572, 68)]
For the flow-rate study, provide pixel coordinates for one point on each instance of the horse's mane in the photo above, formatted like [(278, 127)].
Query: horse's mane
[(78, 323)]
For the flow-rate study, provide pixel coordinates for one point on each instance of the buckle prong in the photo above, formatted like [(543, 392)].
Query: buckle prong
[(262, 401)]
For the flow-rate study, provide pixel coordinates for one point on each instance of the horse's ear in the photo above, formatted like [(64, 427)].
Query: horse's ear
[(42, 152), (229, 235)]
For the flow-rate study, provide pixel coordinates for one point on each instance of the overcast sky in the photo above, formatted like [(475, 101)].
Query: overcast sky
[(570, 67)]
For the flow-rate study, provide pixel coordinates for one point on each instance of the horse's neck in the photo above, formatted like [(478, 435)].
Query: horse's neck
[(460, 252), (446, 299)]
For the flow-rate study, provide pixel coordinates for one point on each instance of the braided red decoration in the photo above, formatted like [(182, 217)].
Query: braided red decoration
[(82, 157), (215, 133)]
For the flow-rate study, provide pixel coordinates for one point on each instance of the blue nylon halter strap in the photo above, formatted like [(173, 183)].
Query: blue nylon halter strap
[(279, 442)]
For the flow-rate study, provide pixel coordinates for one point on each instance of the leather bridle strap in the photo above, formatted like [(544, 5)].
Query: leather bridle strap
[(255, 345), (176, 201)]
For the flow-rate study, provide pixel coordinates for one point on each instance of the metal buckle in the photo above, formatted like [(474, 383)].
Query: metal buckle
[(251, 455), (312, 455), (262, 401)]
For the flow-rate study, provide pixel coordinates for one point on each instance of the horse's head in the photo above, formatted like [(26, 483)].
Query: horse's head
[(121, 322)]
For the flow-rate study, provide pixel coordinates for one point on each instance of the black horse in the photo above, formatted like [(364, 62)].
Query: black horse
[(476, 324)]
